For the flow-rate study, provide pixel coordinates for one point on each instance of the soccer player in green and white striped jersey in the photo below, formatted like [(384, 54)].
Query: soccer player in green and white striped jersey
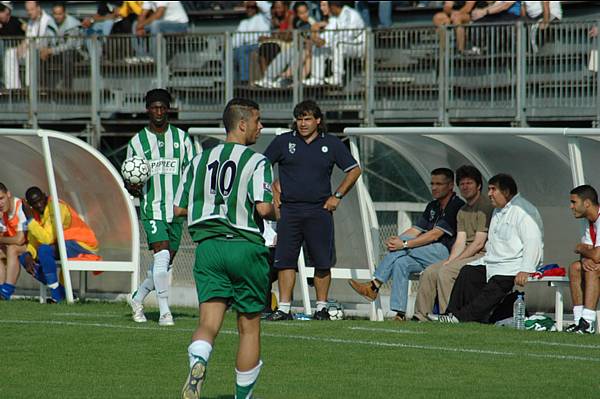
[(168, 151), (225, 192)]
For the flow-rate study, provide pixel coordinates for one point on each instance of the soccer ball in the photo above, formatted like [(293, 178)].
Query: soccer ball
[(135, 170), (335, 310)]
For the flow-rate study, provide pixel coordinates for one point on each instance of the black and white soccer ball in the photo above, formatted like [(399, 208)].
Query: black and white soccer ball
[(135, 170), (335, 310)]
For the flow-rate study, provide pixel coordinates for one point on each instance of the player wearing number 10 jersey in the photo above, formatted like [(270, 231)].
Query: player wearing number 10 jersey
[(168, 151), (221, 192)]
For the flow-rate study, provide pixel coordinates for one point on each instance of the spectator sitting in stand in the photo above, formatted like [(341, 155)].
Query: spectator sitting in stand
[(549, 11), (279, 74), (66, 45), (10, 28), (40, 27), (282, 20), (500, 11), (245, 40), (457, 13), (345, 42), (157, 17)]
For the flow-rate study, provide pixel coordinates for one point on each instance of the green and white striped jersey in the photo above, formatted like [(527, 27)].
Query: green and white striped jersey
[(168, 155), (224, 184)]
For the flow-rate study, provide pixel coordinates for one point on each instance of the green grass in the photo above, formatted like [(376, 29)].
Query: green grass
[(93, 350)]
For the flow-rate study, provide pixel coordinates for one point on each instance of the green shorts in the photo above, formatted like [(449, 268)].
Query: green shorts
[(233, 269), (159, 230)]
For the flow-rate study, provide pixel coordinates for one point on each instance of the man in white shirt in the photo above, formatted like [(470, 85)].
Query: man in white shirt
[(514, 249), (39, 28), (157, 17), (245, 40), (347, 41), (584, 205)]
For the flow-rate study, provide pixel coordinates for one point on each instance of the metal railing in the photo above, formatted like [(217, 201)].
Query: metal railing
[(513, 73)]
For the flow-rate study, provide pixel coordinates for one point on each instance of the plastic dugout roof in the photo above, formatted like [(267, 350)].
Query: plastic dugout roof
[(545, 162), (65, 166)]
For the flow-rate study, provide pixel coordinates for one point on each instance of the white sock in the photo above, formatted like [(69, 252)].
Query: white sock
[(285, 307), (146, 287), (199, 349), (170, 271), (589, 315), (321, 305), (245, 378), (577, 313), (161, 279)]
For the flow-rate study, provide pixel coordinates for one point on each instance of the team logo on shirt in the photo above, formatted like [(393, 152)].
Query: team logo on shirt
[(324, 149), (176, 145), (161, 144), (267, 187), (431, 215), (292, 147)]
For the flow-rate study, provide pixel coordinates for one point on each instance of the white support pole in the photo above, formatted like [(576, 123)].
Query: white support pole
[(361, 190), (60, 236), (577, 171), (302, 275)]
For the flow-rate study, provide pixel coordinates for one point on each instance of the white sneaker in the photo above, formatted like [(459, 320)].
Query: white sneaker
[(333, 82), (132, 60), (137, 310), (147, 60), (433, 316), (313, 82), (448, 318), (166, 320)]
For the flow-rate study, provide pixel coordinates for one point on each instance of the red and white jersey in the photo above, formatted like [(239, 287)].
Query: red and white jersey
[(11, 223), (592, 233)]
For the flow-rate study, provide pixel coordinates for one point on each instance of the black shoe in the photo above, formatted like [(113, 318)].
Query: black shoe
[(584, 327), (322, 314), (571, 328), (280, 315)]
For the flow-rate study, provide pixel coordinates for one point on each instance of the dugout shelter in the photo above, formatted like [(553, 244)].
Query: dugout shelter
[(71, 170)]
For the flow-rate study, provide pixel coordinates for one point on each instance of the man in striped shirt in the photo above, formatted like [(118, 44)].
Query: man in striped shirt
[(225, 192), (168, 151)]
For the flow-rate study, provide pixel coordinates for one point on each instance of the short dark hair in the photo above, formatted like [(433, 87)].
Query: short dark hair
[(3, 188), (469, 172), (309, 107), (586, 192), (4, 8), (339, 4), (299, 4), (60, 4), (505, 182), (33, 191), (237, 109), (448, 173)]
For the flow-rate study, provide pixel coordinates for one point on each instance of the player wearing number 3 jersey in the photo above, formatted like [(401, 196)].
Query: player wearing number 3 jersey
[(168, 151), (221, 192)]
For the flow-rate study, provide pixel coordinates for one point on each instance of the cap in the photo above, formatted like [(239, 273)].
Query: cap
[(7, 4)]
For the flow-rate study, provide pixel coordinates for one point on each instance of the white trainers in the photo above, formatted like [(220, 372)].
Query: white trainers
[(166, 320), (137, 310), (313, 82), (333, 81)]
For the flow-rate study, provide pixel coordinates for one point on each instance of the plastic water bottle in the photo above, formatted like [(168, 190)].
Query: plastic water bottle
[(519, 313)]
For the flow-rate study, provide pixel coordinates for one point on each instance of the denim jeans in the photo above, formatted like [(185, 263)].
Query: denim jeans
[(153, 29), (241, 58), (399, 264)]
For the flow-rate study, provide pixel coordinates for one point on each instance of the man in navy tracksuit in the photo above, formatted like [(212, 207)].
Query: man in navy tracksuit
[(305, 158)]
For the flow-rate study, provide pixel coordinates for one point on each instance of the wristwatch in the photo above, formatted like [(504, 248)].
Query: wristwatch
[(338, 195), (404, 244)]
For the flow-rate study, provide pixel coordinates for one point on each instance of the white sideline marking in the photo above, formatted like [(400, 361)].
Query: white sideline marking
[(390, 330), (319, 339), (563, 344), (107, 315)]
